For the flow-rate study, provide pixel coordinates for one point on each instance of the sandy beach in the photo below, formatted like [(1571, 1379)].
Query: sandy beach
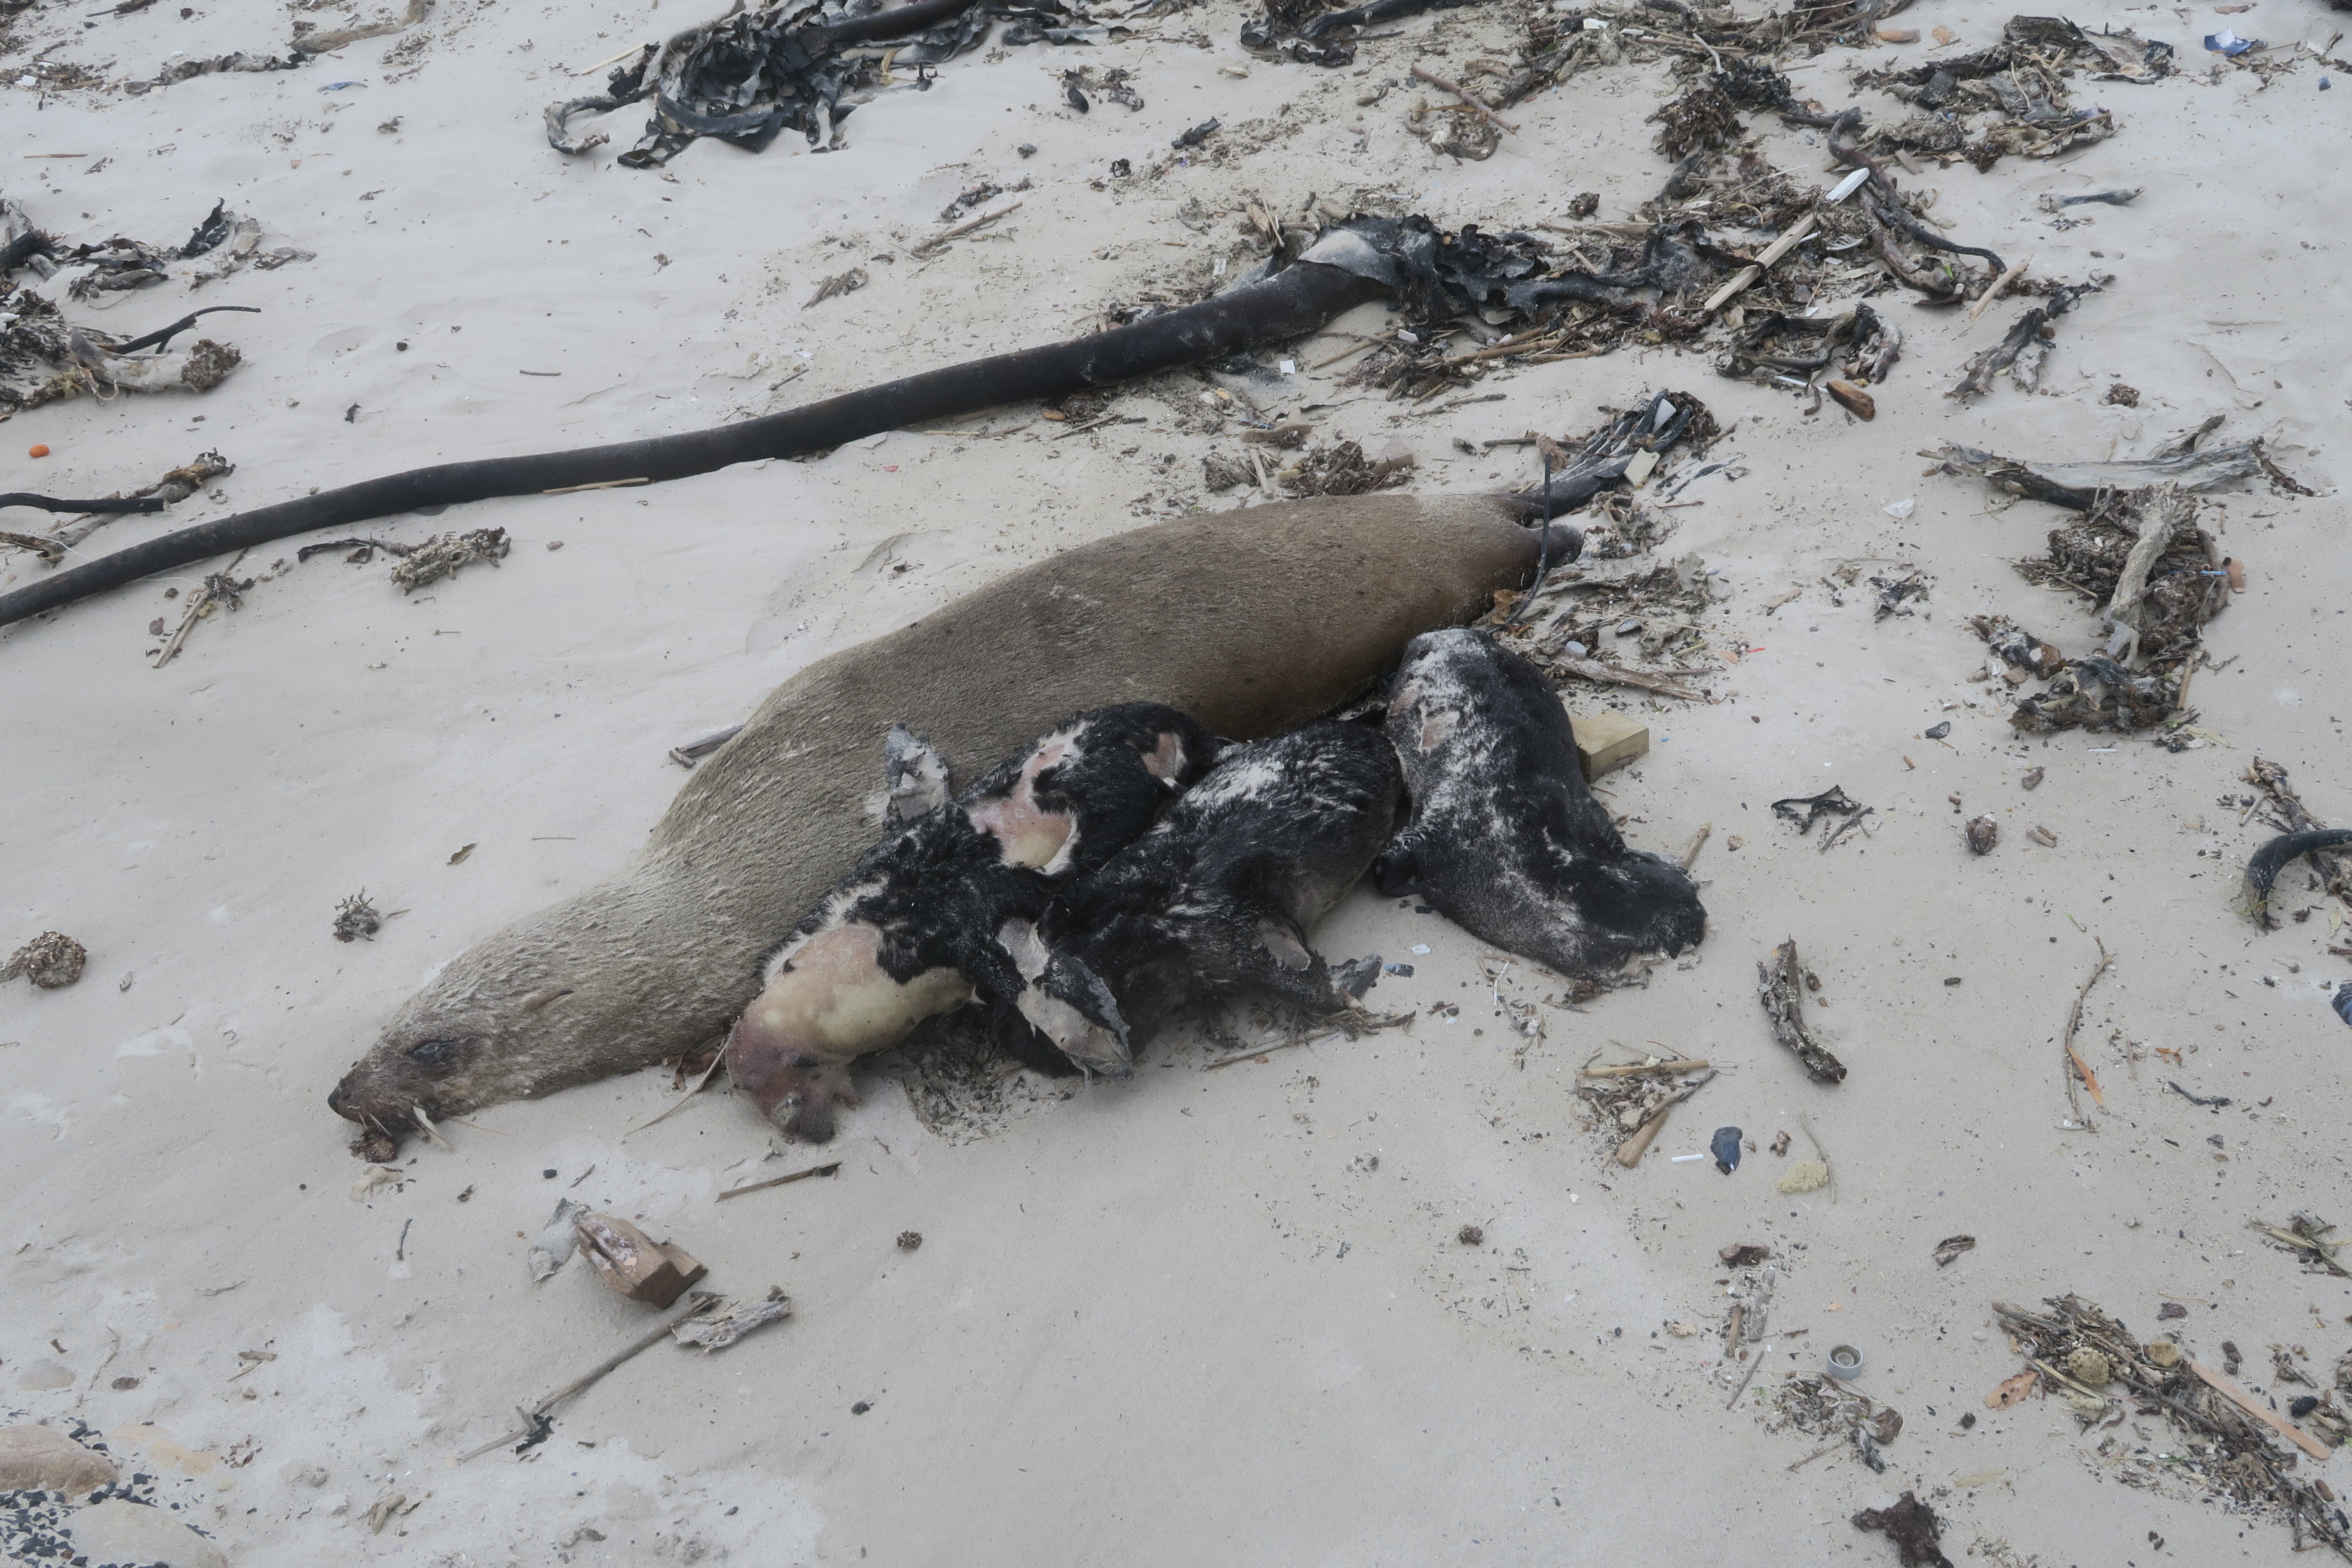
[(1206, 1315)]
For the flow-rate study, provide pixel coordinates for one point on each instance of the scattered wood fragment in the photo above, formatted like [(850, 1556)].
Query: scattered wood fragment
[(779, 1181), (1439, 83), (2261, 1412), (1779, 985), (599, 485), (1630, 1152)]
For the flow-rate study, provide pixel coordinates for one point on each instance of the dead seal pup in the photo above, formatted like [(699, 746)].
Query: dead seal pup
[(1252, 622), (1506, 840), (1216, 900), (910, 929)]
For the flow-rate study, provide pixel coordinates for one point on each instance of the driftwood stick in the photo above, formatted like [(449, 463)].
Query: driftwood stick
[(1994, 289), (1781, 985), (1755, 269), (779, 1181), (1636, 1068), (1434, 79), (2074, 1022), (2261, 1412), (1697, 843)]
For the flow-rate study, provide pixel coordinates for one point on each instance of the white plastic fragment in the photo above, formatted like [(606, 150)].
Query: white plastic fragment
[(1901, 508), (1421, 947), (1848, 185)]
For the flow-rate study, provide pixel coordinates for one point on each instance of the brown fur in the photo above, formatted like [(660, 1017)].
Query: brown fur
[(1251, 621)]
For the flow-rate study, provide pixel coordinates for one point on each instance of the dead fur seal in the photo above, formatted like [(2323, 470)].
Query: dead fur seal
[(911, 930), (1506, 840), (1251, 621), (1217, 900)]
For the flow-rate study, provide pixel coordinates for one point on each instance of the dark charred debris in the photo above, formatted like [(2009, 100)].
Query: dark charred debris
[(2300, 836), (1912, 1526), (804, 66)]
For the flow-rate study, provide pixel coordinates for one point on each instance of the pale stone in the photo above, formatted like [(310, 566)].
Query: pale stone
[(119, 1532), (37, 1457)]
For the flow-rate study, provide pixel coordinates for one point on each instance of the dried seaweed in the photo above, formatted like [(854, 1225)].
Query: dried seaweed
[(1913, 1526), (2158, 578), (51, 961), (1342, 470), (445, 554), (791, 65)]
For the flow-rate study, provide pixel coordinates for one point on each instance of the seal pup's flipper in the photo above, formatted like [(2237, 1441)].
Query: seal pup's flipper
[(915, 777), (1066, 1004)]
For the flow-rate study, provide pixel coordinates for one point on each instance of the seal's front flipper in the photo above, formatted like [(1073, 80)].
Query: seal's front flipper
[(915, 777)]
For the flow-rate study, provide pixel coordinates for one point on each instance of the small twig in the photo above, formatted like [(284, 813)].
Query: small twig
[(599, 485), (1630, 1152), (920, 247), (1434, 79), (779, 1181), (200, 598), (1753, 1367), (1697, 843), (1816, 1453), (696, 1088), (702, 1301), (2073, 1021), (1251, 1055)]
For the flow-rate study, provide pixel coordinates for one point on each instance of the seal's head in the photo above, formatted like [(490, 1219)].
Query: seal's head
[(432, 1063)]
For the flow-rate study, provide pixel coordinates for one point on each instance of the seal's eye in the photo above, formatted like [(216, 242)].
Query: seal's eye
[(435, 1053)]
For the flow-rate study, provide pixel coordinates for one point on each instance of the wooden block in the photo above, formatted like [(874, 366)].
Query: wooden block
[(639, 1267), (1607, 741)]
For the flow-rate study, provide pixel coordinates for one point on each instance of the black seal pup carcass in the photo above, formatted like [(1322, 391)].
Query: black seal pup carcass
[(1506, 840), (910, 929), (1216, 900)]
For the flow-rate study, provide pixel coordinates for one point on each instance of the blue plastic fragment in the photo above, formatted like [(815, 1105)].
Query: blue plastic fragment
[(1402, 970), (339, 86), (1725, 1149), (2343, 1003), (2226, 42)]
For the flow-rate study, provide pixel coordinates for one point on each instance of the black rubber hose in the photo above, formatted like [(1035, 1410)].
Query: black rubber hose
[(2272, 859), (1293, 302)]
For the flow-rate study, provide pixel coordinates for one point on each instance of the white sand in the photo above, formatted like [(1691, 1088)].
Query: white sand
[(1177, 1321)]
